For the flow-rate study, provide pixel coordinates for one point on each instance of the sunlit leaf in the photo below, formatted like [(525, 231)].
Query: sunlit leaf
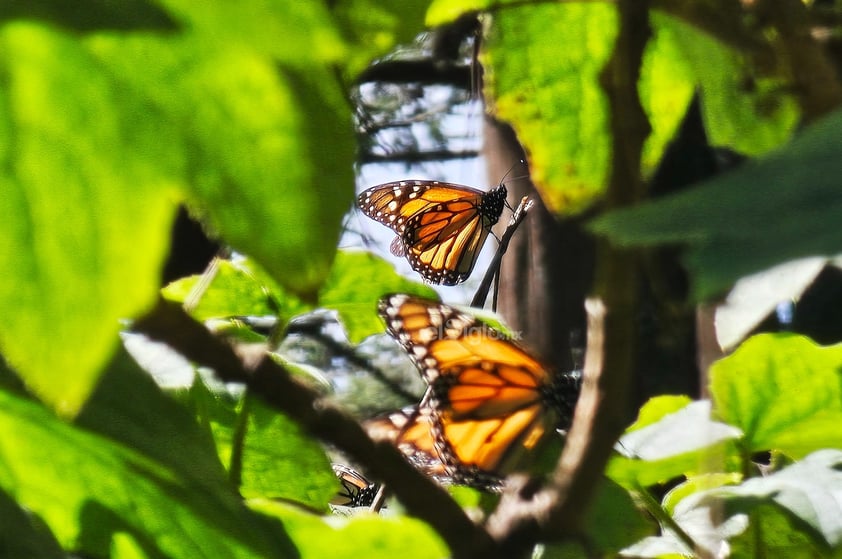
[(783, 391), (369, 536), (375, 27), (549, 92), (87, 203), (85, 487), (683, 442)]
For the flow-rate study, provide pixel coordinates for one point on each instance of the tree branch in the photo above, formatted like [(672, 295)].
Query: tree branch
[(422, 497), (602, 411)]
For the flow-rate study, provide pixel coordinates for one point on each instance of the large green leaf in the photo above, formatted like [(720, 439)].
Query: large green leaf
[(87, 488), (276, 460), (783, 391), (542, 65), (87, 202), (103, 134), (299, 33), (768, 211)]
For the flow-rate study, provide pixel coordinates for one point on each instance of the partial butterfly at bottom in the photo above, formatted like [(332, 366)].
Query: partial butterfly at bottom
[(440, 226), (492, 406), (356, 490)]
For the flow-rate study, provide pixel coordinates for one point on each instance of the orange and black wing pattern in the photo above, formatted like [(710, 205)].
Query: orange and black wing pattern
[(492, 402), (356, 490), (411, 430), (441, 227)]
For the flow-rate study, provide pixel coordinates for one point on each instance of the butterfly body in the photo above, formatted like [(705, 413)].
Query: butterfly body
[(356, 490), (492, 404), (440, 226)]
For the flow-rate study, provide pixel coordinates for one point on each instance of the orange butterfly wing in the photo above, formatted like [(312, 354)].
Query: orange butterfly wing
[(410, 429), (441, 227), (492, 402)]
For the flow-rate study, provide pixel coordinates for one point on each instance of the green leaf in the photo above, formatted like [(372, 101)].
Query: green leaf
[(306, 29), (656, 408), (233, 291), (374, 27), (129, 408), (278, 461), (91, 15), (357, 281), (697, 484), (773, 532), (255, 137), (281, 462), (751, 119), (369, 536), (680, 443), (88, 488), (556, 107), (665, 87), (22, 534), (87, 207), (809, 491), (783, 391), (768, 211), (613, 521)]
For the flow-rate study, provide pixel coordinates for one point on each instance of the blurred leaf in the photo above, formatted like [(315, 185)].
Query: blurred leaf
[(262, 172), (741, 111), (87, 487), (666, 86), (755, 297), (809, 492), (356, 283), (232, 291), (768, 211), (773, 532), (91, 15), (783, 391), (680, 443), (129, 408), (364, 535), (374, 27), (697, 484), (613, 521), (656, 408), (306, 29), (22, 534), (87, 207)]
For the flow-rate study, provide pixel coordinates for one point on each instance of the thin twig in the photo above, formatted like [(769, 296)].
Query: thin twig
[(485, 285)]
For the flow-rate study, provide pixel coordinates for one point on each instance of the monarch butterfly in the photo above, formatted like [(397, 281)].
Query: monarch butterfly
[(440, 226), (356, 490), (492, 403), (410, 430)]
